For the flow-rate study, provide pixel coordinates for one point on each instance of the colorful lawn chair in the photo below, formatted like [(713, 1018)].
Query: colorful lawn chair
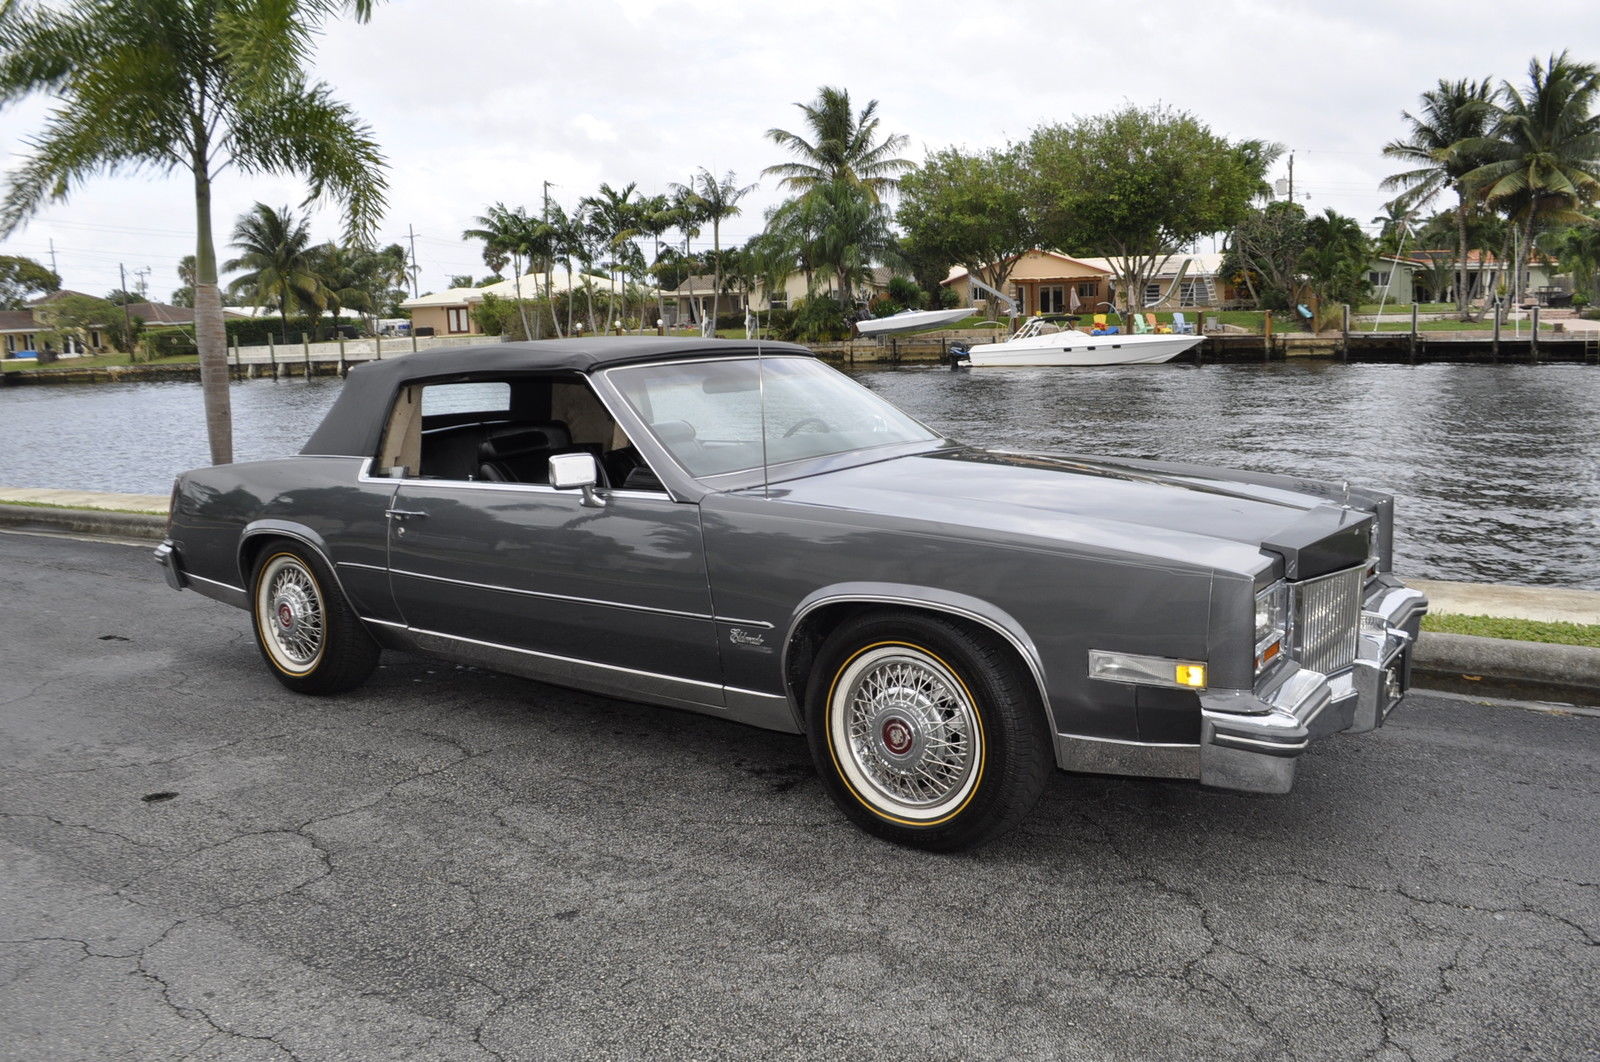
[(1181, 325)]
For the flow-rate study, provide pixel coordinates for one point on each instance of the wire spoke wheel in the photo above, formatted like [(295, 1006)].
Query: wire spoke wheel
[(905, 733), (291, 614)]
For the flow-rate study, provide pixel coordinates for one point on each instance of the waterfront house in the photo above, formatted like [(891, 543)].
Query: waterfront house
[(1043, 281), (690, 302)]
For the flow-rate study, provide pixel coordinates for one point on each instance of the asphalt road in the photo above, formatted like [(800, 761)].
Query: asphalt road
[(195, 863)]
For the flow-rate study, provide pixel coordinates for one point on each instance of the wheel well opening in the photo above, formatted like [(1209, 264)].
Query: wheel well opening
[(813, 631), (250, 551)]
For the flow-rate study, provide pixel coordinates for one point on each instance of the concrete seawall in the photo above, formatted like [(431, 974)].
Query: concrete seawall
[(1489, 666)]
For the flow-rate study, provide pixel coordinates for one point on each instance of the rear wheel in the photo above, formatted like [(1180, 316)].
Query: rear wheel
[(306, 631), (926, 732)]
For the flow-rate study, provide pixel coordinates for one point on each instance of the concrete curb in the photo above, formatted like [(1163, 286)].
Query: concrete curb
[(1497, 664), (85, 521), (1454, 661)]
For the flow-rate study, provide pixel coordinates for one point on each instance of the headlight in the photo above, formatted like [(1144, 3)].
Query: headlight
[(1272, 622)]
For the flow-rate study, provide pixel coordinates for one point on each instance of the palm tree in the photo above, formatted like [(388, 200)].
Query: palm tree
[(514, 233), (278, 254), (340, 271), (843, 146), (714, 201), (190, 85), (1442, 140), (184, 296), (1544, 152), (1398, 219), (655, 217), (614, 218)]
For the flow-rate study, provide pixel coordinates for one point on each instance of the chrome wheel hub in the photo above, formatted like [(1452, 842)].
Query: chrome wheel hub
[(291, 614), (908, 732)]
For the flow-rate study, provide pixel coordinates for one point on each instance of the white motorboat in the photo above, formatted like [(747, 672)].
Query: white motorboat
[(1042, 342), (910, 321)]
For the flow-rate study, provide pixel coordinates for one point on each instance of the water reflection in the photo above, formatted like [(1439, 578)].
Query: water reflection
[(1496, 467)]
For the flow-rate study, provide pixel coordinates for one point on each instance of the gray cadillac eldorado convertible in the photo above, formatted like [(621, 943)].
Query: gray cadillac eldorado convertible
[(745, 532)]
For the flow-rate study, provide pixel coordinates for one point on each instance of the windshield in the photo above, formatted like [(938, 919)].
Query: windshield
[(709, 414)]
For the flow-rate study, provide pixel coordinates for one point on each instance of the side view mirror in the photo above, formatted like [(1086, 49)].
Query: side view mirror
[(577, 471)]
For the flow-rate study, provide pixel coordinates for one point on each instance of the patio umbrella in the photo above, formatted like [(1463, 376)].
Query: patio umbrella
[(1072, 299)]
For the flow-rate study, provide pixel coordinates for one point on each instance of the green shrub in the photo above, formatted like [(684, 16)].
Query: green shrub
[(170, 342), (818, 320)]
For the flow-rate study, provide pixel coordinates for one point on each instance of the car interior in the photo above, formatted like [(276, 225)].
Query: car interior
[(505, 430)]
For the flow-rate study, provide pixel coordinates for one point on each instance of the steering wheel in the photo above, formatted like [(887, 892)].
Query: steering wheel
[(817, 423)]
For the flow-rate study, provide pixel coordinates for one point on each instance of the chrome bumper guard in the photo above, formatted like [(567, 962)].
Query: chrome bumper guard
[(1249, 739), (171, 570)]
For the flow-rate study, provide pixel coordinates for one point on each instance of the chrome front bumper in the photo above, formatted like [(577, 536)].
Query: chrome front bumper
[(1250, 739)]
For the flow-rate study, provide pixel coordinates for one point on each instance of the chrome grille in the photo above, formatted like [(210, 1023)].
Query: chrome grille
[(1327, 620)]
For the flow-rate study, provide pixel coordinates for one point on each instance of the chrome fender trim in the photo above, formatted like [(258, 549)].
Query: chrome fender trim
[(299, 533), (969, 608)]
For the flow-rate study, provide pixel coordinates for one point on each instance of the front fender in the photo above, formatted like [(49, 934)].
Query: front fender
[(933, 599)]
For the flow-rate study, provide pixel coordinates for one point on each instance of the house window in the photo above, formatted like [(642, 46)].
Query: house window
[(1052, 298), (94, 338), (1088, 289), (1378, 280), (456, 319), (1152, 294), (778, 300)]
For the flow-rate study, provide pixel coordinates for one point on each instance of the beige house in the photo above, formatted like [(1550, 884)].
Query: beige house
[(1044, 282), (691, 301), (449, 312)]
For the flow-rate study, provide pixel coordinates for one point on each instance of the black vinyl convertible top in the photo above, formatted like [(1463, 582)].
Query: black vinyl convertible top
[(353, 424)]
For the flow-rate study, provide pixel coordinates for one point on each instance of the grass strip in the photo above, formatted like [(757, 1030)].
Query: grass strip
[(1554, 632), (92, 508)]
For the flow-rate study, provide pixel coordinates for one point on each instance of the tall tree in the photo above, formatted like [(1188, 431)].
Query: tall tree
[(184, 296), (280, 268), (971, 209), (193, 85), (22, 279), (839, 145), (507, 232), (1444, 143), (1263, 253), (340, 272), (715, 200), (1544, 152), (1137, 185), (614, 215), (1335, 258)]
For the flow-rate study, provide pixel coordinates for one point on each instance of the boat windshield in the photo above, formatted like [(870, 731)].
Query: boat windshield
[(710, 414)]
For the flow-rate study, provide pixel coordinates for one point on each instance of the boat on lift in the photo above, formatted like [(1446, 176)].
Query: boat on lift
[(1052, 341), (910, 321)]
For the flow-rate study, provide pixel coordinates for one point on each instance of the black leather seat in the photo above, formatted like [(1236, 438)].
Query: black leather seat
[(520, 453)]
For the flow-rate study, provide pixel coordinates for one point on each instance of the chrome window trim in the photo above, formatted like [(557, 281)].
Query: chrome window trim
[(555, 597), (397, 482)]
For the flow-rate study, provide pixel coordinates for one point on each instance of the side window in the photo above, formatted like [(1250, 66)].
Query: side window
[(506, 431)]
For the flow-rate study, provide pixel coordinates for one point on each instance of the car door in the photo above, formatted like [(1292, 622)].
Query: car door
[(612, 596)]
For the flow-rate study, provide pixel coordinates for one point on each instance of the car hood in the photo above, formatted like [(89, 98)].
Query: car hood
[(1192, 515)]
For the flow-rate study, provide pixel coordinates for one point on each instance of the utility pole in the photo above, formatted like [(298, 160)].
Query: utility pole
[(127, 322), (412, 236), (53, 268), (1291, 176), (144, 284)]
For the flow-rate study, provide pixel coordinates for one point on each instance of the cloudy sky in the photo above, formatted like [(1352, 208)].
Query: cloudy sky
[(479, 101)]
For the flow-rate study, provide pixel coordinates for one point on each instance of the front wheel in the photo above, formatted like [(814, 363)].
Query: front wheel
[(308, 634), (926, 732)]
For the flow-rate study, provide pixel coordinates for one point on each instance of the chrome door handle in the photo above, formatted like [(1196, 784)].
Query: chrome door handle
[(401, 514)]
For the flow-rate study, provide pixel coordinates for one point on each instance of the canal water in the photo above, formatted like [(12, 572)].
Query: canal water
[(1496, 468)]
